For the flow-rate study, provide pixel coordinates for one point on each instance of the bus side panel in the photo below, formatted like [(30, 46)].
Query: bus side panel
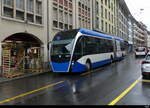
[(118, 50), (101, 63), (100, 59), (96, 61), (78, 67)]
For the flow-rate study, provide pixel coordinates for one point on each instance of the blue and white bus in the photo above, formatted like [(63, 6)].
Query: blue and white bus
[(81, 50)]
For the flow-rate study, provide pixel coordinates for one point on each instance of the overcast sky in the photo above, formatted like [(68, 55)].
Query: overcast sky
[(140, 9)]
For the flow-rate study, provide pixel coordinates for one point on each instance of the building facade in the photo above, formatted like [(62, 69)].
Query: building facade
[(60, 15), (104, 16), (29, 25), (130, 30), (123, 14), (148, 40), (23, 23), (111, 17), (69, 14), (140, 34)]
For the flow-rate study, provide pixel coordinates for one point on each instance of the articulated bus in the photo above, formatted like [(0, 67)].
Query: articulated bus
[(80, 50)]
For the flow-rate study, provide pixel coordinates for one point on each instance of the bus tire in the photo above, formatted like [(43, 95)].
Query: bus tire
[(88, 65)]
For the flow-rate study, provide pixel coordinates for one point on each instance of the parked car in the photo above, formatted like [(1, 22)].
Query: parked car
[(145, 66), (140, 51)]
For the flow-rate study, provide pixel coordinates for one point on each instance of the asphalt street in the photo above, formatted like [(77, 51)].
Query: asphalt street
[(113, 83)]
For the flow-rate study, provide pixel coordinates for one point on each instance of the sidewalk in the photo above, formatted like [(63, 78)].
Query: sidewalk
[(3, 80)]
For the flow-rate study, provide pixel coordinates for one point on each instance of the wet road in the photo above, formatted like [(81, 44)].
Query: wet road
[(99, 87)]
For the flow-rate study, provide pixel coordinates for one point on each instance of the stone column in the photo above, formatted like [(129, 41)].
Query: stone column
[(0, 57)]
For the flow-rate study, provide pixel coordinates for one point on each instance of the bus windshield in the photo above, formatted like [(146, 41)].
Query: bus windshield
[(62, 47)]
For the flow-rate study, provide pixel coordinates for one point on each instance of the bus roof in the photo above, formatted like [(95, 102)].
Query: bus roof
[(117, 38), (90, 32)]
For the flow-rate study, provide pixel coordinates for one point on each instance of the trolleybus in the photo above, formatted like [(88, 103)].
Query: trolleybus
[(80, 50)]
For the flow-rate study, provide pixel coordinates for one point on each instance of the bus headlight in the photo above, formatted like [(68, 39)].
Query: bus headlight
[(72, 63)]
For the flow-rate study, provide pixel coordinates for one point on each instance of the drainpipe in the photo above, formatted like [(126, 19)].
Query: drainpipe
[(93, 13), (48, 30)]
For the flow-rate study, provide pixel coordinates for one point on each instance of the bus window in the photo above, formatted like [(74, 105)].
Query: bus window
[(98, 45), (109, 45), (123, 46), (103, 46), (90, 46), (78, 52)]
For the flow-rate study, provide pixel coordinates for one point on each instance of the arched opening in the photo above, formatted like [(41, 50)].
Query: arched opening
[(24, 37), (22, 53)]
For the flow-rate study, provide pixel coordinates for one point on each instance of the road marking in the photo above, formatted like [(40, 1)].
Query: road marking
[(31, 92), (86, 73), (146, 81), (124, 93), (92, 71)]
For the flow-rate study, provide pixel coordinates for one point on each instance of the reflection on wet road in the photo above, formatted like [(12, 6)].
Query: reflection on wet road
[(98, 87)]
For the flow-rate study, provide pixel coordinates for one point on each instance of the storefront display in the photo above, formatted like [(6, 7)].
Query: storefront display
[(20, 58)]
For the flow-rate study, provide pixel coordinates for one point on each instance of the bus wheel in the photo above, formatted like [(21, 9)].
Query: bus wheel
[(88, 65)]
